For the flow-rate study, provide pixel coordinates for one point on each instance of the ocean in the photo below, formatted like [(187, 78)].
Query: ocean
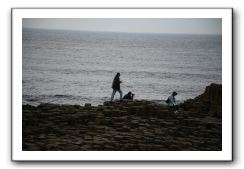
[(78, 67)]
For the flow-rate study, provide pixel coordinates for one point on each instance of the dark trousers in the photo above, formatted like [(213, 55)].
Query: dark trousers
[(114, 91), (174, 107)]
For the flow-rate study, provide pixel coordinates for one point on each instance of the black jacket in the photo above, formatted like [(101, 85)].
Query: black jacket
[(116, 83), (128, 96)]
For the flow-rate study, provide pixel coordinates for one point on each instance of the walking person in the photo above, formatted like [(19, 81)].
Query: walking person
[(116, 86), (172, 103)]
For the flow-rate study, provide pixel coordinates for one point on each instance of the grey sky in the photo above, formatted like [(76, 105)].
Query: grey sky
[(140, 25)]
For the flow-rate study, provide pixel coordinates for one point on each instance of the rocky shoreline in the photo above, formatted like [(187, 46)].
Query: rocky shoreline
[(138, 125)]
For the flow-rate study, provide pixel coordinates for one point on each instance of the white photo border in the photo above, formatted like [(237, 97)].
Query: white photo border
[(16, 51)]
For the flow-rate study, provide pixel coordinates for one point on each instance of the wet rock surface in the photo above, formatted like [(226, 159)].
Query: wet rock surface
[(124, 126)]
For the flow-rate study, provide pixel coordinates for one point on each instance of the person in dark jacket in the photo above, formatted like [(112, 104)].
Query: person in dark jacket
[(129, 96), (116, 86)]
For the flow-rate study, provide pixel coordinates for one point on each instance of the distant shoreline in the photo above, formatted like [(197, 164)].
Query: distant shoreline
[(139, 33)]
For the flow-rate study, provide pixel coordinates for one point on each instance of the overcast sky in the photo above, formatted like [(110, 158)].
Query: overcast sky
[(174, 25)]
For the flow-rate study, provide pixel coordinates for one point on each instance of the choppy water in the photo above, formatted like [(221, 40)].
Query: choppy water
[(71, 67)]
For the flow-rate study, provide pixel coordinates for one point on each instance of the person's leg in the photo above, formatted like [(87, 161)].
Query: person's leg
[(175, 109), (112, 96), (121, 94), (170, 108)]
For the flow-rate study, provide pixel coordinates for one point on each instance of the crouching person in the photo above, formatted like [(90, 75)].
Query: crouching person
[(129, 96)]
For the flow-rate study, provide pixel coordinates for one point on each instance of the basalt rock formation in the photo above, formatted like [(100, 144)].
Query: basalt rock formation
[(209, 103), (124, 126)]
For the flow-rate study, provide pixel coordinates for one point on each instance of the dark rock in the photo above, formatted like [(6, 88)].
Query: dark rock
[(207, 104), (87, 105), (138, 125)]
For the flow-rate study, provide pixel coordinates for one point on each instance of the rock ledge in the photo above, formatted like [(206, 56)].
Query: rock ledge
[(126, 126)]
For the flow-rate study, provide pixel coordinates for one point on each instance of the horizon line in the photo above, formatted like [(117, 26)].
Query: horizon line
[(103, 31)]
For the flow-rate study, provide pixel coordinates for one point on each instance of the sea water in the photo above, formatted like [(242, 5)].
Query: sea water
[(75, 67)]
